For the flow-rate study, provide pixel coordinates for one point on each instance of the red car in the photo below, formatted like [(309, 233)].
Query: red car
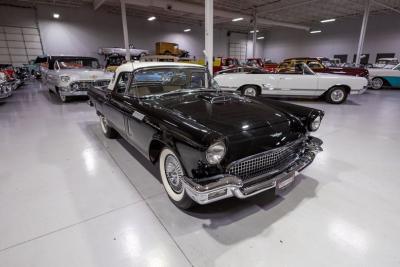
[(258, 62), (221, 63), (316, 65)]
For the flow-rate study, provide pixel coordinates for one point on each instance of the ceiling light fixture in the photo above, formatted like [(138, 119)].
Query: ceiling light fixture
[(237, 19), (316, 31), (187, 30), (151, 18), (260, 38), (328, 20), (56, 15), (253, 31)]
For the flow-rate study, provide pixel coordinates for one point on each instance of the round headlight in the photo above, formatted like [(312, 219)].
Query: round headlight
[(65, 78), (75, 86), (215, 153), (314, 125)]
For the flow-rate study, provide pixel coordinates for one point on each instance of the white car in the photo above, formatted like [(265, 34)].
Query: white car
[(386, 63), (134, 52), (70, 76), (297, 81), (385, 77)]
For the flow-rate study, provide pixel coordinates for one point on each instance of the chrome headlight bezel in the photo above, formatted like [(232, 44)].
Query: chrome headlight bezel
[(215, 152), (65, 78), (315, 123)]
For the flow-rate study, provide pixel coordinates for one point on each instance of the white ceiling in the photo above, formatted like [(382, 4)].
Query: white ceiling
[(302, 12)]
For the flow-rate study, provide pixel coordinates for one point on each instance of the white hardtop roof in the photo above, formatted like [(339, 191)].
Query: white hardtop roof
[(131, 66)]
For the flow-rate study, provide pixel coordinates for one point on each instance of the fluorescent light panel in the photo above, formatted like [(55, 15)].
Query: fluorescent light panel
[(56, 15), (187, 30), (237, 19), (316, 31), (151, 18), (260, 38), (253, 31), (328, 20)]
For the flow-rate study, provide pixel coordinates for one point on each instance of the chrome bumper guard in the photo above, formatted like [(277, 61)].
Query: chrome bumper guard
[(227, 185)]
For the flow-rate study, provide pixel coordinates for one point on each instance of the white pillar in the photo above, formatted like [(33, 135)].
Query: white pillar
[(363, 30), (125, 30), (209, 34), (254, 34)]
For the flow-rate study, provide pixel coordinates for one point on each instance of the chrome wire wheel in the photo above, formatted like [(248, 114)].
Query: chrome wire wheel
[(337, 95), (377, 83), (174, 173), (250, 91)]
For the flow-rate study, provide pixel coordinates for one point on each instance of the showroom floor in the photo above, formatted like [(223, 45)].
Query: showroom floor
[(70, 197)]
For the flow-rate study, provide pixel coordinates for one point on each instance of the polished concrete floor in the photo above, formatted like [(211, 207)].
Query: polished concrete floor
[(70, 197)]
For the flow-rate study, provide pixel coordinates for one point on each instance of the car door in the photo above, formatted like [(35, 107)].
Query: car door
[(114, 106), (299, 80), (138, 130)]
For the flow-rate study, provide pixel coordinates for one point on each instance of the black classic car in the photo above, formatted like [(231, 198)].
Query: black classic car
[(209, 144)]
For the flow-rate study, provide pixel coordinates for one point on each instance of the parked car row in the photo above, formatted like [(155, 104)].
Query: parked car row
[(11, 78)]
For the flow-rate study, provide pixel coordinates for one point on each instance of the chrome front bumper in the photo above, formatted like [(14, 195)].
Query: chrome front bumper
[(69, 92), (360, 91), (226, 186)]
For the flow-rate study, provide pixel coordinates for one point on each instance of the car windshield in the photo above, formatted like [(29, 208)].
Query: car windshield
[(161, 81), (79, 63), (299, 68)]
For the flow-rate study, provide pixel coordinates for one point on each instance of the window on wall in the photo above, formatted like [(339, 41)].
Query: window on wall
[(343, 58), (364, 59), (384, 55), (238, 50)]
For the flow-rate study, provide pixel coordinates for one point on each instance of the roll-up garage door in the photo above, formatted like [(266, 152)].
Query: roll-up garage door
[(18, 45)]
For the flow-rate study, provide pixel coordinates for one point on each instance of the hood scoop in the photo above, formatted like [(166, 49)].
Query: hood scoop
[(220, 99)]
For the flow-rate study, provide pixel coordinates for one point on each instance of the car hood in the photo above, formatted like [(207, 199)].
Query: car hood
[(86, 74), (223, 112)]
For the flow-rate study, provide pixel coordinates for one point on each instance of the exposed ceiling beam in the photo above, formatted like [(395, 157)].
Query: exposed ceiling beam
[(198, 9), (98, 3), (266, 9), (386, 6)]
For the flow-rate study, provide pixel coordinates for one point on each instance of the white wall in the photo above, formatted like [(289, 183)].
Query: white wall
[(81, 31), (340, 37)]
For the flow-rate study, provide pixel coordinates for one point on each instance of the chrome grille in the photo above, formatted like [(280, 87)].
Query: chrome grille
[(85, 85), (266, 162)]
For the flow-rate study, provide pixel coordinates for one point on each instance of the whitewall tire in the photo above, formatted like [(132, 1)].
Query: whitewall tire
[(250, 91), (377, 83), (107, 130), (172, 173), (336, 95)]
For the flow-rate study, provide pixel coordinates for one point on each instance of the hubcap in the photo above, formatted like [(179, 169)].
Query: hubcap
[(174, 173), (377, 83), (250, 92), (337, 95)]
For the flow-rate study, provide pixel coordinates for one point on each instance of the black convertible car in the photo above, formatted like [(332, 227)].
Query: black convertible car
[(209, 144)]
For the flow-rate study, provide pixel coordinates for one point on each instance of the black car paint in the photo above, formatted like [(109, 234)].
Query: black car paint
[(190, 121)]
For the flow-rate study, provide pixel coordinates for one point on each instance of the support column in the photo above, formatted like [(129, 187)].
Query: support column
[(254, 33), (363, 30), (209, 34), (125, 30)]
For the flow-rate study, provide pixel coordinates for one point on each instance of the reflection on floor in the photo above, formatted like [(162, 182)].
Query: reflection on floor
[(70, 197)]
